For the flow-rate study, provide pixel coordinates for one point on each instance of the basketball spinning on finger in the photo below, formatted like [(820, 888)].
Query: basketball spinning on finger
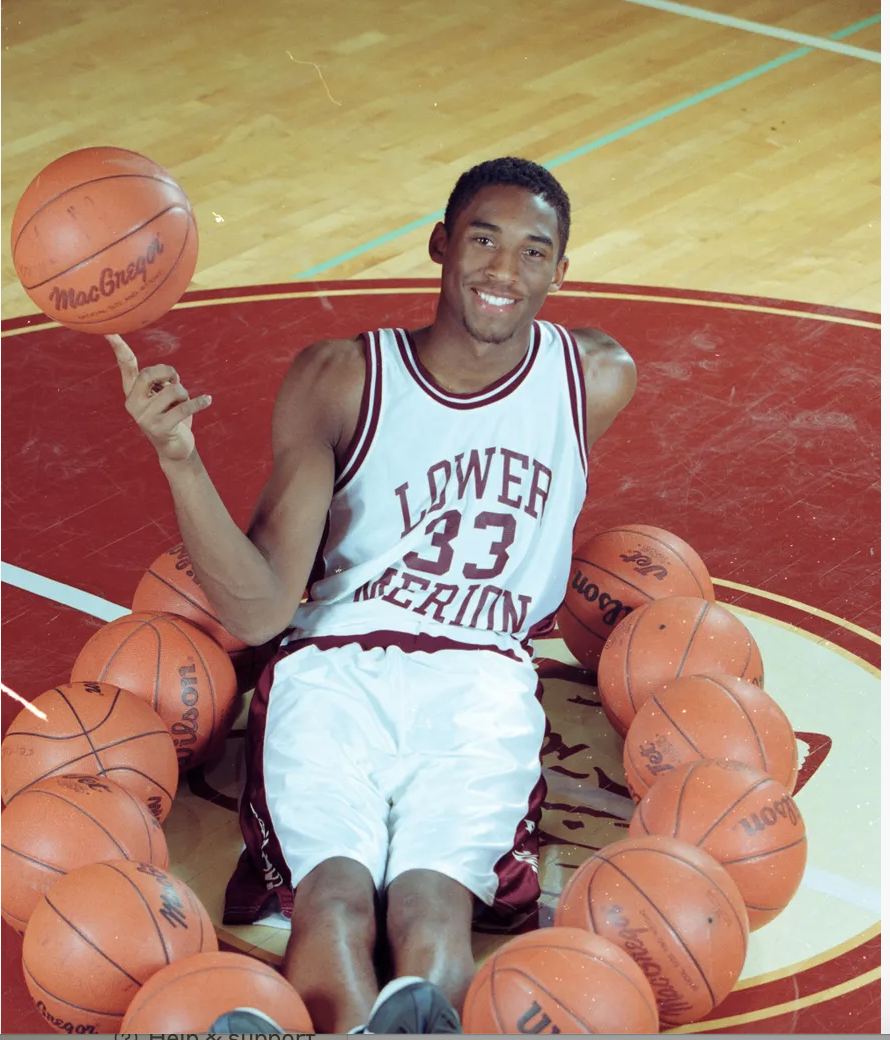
[(104, 240)]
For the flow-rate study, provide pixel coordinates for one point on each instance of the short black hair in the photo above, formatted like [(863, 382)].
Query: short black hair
[(523, 173)]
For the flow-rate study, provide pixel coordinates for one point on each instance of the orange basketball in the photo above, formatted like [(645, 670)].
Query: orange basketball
[(559, 980), (708, 716), (184, 674), (66, 822), (186, 997), (100, 933), (743, 818), (675, 910), (104, 240), (170, 586), (681, 635), (619, 570), (92, 728)]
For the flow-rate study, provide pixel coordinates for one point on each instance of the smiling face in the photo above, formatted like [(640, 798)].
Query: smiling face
[(499, 262)]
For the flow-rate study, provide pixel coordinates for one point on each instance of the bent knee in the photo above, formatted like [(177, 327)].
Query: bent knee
[(337, 886)]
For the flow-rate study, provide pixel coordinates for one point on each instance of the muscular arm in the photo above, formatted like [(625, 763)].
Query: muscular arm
[(253, 581), (610, 379)]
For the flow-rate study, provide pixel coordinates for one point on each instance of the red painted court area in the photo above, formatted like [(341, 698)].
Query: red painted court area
[(754, 435)]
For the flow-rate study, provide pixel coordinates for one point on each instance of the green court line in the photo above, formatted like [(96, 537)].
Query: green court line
[(600, 142)]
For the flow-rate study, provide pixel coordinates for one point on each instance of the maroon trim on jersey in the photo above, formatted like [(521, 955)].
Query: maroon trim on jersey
[(409, 642), (497, 391), (577, 390), (369, 413)]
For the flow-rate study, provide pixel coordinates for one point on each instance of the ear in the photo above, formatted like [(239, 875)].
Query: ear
[(559, 275), (438, 243)]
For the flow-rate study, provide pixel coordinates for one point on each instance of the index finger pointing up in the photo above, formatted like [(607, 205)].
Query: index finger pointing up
[(126, 361)]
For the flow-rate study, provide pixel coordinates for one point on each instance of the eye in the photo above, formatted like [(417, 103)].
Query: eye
[(536, 253), (483, 239)]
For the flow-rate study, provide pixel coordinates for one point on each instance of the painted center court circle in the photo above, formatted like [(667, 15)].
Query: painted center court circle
[(753, 437)]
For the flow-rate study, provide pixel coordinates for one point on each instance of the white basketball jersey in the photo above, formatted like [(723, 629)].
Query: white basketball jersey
[(453, 513)]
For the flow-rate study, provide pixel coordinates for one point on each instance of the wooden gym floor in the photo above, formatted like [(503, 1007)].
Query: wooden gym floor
[(724, 180)]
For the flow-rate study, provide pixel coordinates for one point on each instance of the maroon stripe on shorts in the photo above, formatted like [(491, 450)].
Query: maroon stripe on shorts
[(409, 642), (261, 883)]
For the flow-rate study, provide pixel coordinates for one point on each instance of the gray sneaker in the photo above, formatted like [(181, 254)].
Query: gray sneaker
[(412, 1005), (245, 1020)]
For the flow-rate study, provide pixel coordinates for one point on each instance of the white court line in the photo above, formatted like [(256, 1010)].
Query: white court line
[(758, 27), (86, 602), (852, 892)]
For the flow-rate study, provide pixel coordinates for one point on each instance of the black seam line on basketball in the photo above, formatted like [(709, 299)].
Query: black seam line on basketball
[(209, 677), (750, 651), (88, 754), (744, 711), (101, 721), (123, 238), (80, 809), (704, 611), (138, 772), (31, 859), (639, 773), (68, 1003), (590, 956), (190, 228), (86, 939), (144, 815), (285, 987), (588, 901), (633, 632), (676, 725), (681, 793), (559, 1003), (187, 598), (193, 900), (15, 917), (93, 180), (80, 723), (132, 635), (765, 854), (673, 552), (667, 923), (491, 1000), (618, 577), (598, 635), (729, 808), (145, 903)]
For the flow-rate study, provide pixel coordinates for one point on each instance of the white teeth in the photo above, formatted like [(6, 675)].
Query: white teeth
[(496, 301)]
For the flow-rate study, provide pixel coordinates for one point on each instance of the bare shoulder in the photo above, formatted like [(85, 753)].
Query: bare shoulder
[(610, 378), (321, 392)]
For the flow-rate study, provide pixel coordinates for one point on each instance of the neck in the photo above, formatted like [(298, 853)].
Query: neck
[(461, 363)]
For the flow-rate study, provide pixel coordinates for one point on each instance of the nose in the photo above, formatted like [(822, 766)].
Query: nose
[(503, 266)]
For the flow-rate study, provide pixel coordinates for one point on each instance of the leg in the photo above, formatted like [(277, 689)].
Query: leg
[(428, 921), (329, 955)]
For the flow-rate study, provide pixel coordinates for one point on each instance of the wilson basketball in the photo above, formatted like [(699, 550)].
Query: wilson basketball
[(708, 716), (170, 586), (619, 570), (177, 668), (187, 996), (743, 818), (104, 240), (66, 822), (670, 638), (559, 980), (95, 728), (674, 909), (100, 934)]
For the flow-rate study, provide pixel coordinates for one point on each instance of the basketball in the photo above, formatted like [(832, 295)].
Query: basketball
[(104, 240), (187, 996), (674, 909), (66, 822), (96, 728), (100, 933), (669, 638), (708, 716), (559, 980), (619, 570), (170, 586), (183, 674), (743, 818)]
